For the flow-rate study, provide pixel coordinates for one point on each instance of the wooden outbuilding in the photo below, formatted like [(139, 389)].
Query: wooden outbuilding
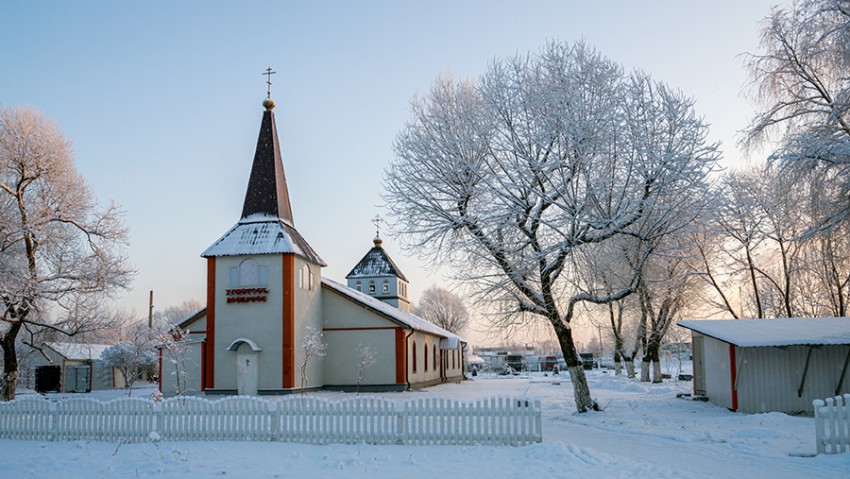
[(763, 365)]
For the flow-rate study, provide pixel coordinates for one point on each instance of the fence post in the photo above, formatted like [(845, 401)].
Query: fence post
[(54, 420), (159, 423), (400, 409), (274, 415)]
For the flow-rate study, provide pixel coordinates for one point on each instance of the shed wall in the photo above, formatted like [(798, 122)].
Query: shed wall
[(770, 377), (718, 382)]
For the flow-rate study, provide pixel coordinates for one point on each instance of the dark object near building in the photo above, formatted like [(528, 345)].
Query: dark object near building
[(48, 378), (686, 377), (514, 361), (587, 361)]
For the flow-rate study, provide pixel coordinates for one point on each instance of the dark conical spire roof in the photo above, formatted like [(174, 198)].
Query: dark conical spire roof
[(267, 193)]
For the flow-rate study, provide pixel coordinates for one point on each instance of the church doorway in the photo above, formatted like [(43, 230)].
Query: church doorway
[(247, 366)]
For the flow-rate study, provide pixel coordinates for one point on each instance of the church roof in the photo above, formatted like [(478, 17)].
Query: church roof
[(261, 234), (376, 263), (404, 318), (267, 193)]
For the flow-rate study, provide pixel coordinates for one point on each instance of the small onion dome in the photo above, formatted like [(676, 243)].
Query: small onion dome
[(269, 104), (377, 241)]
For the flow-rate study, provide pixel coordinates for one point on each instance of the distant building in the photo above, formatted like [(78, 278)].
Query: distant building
[(69, 367), (265, 292), (762, 365)]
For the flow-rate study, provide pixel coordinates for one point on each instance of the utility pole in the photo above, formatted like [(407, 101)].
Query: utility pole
[(150, 311)]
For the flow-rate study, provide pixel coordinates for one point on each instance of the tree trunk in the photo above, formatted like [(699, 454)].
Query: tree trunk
[(644, 369), (10, 363), (630, 368), (618, 363), (584, 402)]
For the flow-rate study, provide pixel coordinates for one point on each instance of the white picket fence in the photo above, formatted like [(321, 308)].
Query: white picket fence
[(305, 419), (832, 424)]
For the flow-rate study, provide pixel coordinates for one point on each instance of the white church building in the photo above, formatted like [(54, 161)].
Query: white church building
[(265, 293)]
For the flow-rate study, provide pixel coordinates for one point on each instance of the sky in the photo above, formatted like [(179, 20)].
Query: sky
[(162, 100)]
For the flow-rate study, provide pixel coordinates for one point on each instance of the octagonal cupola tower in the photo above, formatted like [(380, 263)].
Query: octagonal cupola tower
[(378, 275), (263, 286)]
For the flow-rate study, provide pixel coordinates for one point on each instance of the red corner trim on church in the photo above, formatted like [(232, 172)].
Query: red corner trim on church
[(288, 360), (209, 359)]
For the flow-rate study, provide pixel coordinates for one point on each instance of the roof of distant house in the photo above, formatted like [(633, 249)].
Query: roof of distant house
[(79, 351), (774, 332)]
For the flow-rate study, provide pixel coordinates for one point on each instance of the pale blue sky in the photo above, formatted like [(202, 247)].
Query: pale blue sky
[(162, 100)]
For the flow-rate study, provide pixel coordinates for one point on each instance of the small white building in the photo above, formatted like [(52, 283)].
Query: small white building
[(70, 367), (763, 365)]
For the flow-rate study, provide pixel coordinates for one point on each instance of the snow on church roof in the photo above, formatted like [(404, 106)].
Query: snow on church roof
[(774, 332), (262, 234), (407, 319), (376, 263)]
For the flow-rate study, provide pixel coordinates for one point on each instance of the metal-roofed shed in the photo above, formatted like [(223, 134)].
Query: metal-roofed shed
[(762, 365)]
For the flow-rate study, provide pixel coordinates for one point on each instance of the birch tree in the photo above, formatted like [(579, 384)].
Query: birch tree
[(506, 178), (59, 252)]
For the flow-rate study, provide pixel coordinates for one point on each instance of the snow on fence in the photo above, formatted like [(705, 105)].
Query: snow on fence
[(302, 419), (832, 424)]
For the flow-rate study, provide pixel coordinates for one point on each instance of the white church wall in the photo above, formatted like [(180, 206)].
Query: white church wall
[(343, 360), (308, 311), (422, 373), (259, 321)]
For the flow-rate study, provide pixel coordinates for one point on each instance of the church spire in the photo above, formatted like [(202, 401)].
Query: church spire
[(267, 192)]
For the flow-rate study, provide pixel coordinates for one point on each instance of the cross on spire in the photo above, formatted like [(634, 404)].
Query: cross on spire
[(377, 220), (268, 74)]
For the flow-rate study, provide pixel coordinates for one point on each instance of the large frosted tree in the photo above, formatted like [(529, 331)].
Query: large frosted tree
[(508, 177), (59, 252)]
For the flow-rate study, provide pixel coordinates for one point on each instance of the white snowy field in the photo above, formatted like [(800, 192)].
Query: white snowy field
[(644, 431)]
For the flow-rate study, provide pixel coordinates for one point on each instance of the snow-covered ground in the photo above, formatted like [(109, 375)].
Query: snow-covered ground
[(643, 432)]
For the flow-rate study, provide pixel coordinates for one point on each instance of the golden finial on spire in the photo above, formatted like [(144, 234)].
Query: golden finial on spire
[(268, 102), (377, 220)]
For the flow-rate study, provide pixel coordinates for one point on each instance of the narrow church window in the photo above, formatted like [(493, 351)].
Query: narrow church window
[(371, 287), (414, 356), (425, 349), (357, 285), (249, 273), (386, 286), (311, 281), (435, 357)]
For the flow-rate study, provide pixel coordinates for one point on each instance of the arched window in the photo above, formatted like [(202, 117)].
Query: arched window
[(414, 356), (305, 281), (371, 287), (311, 280), (425, 350), (248, 273), (386, 286), (357, 286)]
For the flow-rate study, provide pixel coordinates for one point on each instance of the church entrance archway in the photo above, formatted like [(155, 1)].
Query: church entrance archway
[(247, 366)]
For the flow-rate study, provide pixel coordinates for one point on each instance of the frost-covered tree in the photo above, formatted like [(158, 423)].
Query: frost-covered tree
[(367, 355), (799, 77), (312, 345), (508, 177), (59, 252), (134, 356), (174, 346), (443, 308)]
